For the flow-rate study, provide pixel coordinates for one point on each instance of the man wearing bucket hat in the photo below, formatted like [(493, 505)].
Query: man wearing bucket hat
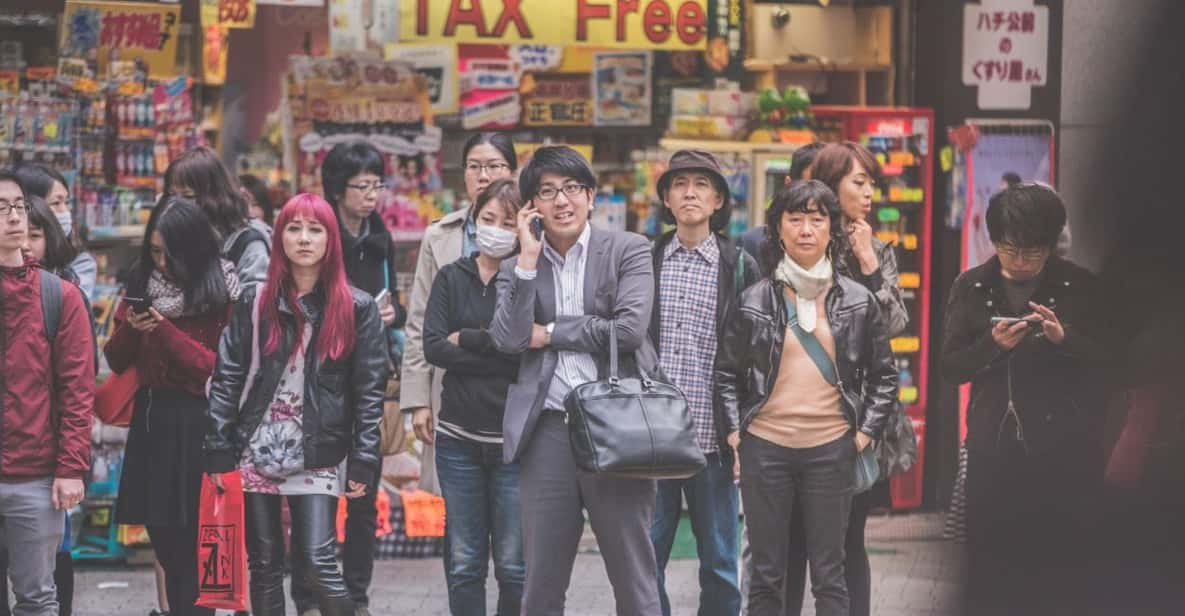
[(699, 274)]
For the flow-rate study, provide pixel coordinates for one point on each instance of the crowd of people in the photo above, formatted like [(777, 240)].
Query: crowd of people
[(263, 341)]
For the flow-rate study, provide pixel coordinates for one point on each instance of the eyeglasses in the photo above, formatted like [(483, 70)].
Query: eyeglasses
[(1026, 254), (495, 168), (17, 205), (549, 193), (366, 187)]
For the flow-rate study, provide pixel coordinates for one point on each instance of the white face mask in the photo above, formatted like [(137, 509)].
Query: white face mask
[(66, 221), (495, 242)]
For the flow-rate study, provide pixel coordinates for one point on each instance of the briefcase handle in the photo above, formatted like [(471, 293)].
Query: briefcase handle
[(614, 381)]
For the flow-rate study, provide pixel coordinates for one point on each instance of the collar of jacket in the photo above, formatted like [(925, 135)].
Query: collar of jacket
[(21, 270), (312, 304), (455, 217), (990, 278), (376, 240)]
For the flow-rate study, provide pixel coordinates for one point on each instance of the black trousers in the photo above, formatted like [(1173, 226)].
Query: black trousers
[(857, 571), (357, 553), (313, 552), (779, 484), (176, 551), (1029, 520)]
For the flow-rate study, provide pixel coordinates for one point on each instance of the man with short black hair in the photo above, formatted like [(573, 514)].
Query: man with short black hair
[(699, 275), (47, 384), (1025, 330), (558, 301)]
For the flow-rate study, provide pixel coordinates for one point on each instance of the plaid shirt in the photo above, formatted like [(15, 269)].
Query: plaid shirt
[(687, 331)]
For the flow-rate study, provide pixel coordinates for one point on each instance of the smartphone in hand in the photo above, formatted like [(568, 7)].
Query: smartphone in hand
[(537, 228), (137, 304), (1013, 320)]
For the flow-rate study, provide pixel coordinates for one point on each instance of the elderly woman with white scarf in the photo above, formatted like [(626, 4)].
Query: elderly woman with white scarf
[(806, 382)]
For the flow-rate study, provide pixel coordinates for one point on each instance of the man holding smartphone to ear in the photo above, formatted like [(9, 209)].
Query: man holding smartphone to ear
[(1023, 329)]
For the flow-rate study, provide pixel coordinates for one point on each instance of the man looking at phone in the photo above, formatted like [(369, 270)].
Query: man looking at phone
[(47, 384), (557, 303), (1023, 329), (352, 175)]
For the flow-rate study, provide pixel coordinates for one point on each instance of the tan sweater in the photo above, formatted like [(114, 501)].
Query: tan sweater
[(803, 410)]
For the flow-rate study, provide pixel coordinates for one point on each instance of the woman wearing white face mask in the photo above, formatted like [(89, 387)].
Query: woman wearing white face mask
[(49, 184), (480, 491)]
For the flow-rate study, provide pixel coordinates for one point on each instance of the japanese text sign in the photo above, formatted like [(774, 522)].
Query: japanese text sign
[(108, 31), (1005, 51), (631, 24)]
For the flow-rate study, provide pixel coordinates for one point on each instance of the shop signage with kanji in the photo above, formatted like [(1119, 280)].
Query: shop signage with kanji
[(1005, 51), (559, 101), (111, 31), (630, 24)]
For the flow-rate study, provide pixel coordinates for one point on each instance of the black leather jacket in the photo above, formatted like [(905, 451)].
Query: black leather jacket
[(343, 399), (748, 359), (1057, 391)]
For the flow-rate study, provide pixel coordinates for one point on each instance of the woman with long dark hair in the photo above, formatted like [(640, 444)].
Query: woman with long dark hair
[(199, 175), (49, 184), (806, 377), (486, 157), (167, 327), (314, 402), (480, 489)]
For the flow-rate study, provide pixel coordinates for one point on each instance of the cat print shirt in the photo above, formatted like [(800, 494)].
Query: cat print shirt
[(273, 462)]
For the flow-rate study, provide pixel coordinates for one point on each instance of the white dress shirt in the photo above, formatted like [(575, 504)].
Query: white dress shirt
[(573, 368)]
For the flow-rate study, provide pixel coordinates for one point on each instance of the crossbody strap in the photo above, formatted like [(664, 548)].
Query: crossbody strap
[(811, 344)]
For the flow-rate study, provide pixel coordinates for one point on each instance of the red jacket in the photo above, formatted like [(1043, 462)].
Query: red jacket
[(30, 445), (178, 353)]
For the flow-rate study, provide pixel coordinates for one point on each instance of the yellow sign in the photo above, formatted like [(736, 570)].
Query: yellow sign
[(524, 151), (112, 31), (228, 13), (629, 24)]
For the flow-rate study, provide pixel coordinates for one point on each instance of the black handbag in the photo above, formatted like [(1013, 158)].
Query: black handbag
[(632, 427)]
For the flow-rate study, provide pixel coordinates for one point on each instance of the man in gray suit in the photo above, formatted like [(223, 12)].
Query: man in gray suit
[(556, 304)]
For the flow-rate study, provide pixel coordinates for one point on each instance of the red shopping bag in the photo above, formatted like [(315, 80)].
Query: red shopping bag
[(222, 547)]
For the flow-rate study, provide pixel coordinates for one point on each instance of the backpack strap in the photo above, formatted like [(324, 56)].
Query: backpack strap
[(51, 304), (245, 239), (814, 349)]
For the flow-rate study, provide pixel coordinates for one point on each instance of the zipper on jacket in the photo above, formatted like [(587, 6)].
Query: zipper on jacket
[(1011, 410)]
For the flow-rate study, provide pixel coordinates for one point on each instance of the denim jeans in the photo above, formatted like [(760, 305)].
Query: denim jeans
[(481, 501), (712, 503)]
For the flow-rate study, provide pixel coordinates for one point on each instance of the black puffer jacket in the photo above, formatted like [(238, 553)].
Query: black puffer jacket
[(1057, 390), (343, 399), (748, 359)]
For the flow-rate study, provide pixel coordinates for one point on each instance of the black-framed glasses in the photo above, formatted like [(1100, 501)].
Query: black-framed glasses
[(366, 187), (492, 168), (549, 193), (1025, 254), (17, 205)]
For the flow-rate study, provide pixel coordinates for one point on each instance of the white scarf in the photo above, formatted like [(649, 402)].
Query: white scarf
[(807, 285)]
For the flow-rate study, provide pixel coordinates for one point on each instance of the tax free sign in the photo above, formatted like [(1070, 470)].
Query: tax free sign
[(631, 24)]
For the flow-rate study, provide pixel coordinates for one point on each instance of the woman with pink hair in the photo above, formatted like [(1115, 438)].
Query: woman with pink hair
[(295, 404)]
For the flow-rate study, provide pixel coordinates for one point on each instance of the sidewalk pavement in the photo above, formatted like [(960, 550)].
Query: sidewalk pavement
[(915, 573)]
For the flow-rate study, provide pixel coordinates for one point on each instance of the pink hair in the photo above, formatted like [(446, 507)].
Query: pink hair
[(336, 339)]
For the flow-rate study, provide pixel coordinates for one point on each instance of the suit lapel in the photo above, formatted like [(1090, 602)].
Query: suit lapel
[(594, 263)]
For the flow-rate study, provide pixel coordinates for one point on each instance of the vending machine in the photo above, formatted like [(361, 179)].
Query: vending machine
[(903, 141)]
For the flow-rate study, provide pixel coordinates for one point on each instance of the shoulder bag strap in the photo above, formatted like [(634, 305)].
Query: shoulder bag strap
[(811, 344)]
